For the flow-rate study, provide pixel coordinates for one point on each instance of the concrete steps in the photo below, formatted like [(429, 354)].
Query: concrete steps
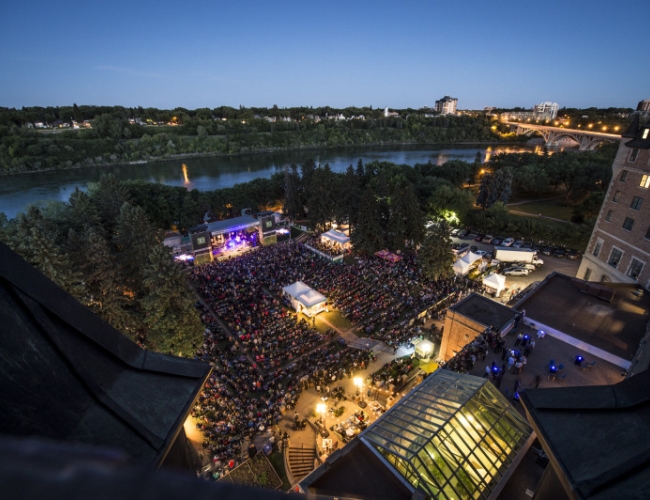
[(301, 461)]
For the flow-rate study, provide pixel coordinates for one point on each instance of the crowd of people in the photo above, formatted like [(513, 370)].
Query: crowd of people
[(264, 355), (328, 247)]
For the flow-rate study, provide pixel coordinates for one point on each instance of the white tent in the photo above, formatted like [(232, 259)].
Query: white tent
[(463, 265), (333, 236), (304, 299), (495, 281)]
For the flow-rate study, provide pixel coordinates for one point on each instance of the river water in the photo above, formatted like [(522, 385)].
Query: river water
[(19, 191)]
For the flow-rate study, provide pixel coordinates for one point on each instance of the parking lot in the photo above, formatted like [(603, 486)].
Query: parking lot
[(551, 264)]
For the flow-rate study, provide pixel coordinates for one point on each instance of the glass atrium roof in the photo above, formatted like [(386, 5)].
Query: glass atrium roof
[(454, 436)]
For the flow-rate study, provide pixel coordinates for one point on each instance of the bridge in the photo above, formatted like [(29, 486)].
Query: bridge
[(586, 139)]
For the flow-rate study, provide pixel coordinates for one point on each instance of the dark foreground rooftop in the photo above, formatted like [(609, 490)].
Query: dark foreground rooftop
[(616, 327), (67, 375), (485, 311), (598, 437)]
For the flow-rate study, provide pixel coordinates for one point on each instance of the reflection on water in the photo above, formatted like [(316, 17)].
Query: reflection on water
[(18, 191)]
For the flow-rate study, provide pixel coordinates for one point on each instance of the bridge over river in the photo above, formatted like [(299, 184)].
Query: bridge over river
[(586, 139)]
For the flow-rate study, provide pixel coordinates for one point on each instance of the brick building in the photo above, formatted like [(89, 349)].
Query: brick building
[(619, 248), (470, 317)]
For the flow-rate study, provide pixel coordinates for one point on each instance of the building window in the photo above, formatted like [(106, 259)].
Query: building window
[(608, 217), (645, 133), (599, 246), (617, 195), (633, 155), (587, 274), (637, 201), (615, 257), (645, 181), (623, 175), (635, 269), (628, 223)]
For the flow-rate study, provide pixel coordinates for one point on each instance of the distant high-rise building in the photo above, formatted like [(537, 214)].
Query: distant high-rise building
[(643, 105), (547, 108), (446, 105), (619, 248)]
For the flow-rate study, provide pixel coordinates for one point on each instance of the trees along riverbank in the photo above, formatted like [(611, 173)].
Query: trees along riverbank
[(113, 139)]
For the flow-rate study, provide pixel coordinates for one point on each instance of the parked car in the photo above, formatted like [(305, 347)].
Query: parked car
[(497, 241), (454, 232), (488, 238), (473, 248), (516, 271), (481, 253), (528, 244), (518, 244), (462, 233), (559, 253), (524, 265), (479, 237), (548, 250), (573, 254), (507, 242)]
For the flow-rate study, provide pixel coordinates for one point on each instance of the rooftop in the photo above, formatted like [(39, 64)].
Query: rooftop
[(615, 327), (234, 224), (485, 311), (67, 375)]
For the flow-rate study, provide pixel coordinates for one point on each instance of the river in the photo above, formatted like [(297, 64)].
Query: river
[(17, 192)]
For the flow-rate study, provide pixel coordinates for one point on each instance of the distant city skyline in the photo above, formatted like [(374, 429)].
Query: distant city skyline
[(258, 54)]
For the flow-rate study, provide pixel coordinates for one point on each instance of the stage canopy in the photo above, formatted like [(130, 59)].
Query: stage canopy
[(462, 265), (304, 299), (495, 281), (333, 236), (385, 254)]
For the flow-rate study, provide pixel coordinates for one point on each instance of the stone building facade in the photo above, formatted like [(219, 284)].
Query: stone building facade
[(619, 247)]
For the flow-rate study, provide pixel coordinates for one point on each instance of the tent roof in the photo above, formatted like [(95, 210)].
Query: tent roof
[(234, 224), (470, 257), (495, 280), (304, 294), (336, 236)]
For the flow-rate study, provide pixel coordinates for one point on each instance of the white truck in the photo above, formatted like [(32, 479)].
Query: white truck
[(525, 255)]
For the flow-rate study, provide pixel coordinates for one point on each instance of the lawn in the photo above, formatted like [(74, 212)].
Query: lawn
[(551, 208)]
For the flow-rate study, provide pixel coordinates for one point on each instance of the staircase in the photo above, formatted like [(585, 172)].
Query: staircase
[(301, 461)]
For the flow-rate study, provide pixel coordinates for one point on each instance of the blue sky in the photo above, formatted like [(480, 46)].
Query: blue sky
[(303, 53)]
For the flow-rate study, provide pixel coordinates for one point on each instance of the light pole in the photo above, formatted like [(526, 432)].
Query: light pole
[(322, 409), (358, 381)]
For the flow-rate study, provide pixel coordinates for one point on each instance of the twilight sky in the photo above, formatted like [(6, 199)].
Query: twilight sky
[(504, 53)]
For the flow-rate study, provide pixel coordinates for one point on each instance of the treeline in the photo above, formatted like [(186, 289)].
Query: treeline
[(102, 248), (115, 139)]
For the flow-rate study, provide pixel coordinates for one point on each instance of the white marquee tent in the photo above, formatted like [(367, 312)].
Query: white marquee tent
[(496, 282), (333, 236), (463, 265), (304, 299)]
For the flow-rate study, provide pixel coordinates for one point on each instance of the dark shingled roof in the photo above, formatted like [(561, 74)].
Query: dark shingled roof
[(356, 472), (65, 374), (485, 311), (598, 437), (635, 132)]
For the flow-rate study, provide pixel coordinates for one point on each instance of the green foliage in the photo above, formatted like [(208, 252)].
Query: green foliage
[(435, 255)]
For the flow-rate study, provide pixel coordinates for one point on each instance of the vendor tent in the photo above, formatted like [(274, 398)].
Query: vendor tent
[(495, 281), (304, 299), (332, 236), (389, 256), (463, 265)]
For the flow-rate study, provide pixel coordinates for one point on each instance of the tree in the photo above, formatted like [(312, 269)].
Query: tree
[(109, 194), (406, 223), (349, 198), (368, 235), (435, 256), (173, 322), (292, 201)]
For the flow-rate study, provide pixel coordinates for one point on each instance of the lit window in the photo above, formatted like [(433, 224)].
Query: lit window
[(617, 195), (645, 133), (599, 246), (628, 223), (645, 181), (608, 217), (623, 176), (637, 201), (633, 155), (636, 266), (615, 257)]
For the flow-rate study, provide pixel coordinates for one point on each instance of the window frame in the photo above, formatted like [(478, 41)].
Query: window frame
[(623, 176), (616, 197), (598, 247), (611, 254), (634, 154), (629, 268), (645, 181), (608, 215), (628, 221), (637, 202)]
